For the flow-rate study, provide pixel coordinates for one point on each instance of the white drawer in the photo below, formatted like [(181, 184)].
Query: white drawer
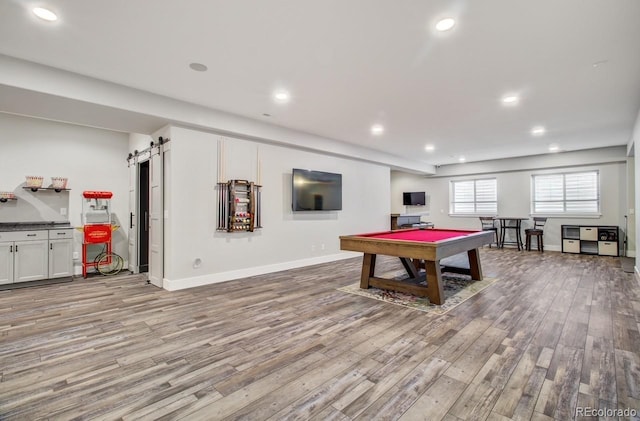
[(571, 246), (608, 248), (23, 235), (589, 233), (60, 234)]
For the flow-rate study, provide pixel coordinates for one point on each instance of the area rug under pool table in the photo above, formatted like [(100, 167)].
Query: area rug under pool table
[(457, 289)]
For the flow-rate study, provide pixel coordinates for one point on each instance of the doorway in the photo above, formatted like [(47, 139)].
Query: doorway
[(143, 216)]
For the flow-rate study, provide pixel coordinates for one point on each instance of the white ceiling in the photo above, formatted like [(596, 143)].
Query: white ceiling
[(352, 63)]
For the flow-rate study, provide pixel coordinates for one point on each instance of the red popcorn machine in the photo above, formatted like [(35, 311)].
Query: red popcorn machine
[(97, 228)]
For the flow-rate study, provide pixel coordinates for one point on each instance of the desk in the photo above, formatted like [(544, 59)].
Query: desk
[(511, 223), (429, 245)]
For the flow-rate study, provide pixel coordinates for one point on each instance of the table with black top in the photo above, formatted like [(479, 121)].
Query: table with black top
[(514, 224)]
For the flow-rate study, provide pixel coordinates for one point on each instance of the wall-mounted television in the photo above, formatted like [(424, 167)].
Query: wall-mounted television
[(316, 190), (414, 198)]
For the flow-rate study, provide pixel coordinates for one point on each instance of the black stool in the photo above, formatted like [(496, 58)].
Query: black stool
[(537, 231)]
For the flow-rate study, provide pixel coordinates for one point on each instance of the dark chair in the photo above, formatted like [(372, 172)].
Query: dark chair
[(537, 231), (488, 224)]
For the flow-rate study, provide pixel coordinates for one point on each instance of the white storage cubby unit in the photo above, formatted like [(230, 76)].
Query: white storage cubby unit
[(591, 239)]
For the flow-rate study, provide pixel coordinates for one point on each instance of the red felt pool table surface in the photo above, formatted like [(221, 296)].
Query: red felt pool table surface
[(427, 235), (416, 248)]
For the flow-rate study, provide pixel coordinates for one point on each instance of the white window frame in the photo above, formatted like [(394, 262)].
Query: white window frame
[(564, 213), (475, 201)]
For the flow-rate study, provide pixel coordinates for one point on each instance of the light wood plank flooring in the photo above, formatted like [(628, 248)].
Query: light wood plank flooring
[(556, 332)]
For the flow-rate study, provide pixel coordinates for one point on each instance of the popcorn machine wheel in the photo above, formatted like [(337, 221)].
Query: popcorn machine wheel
[(97, 229)]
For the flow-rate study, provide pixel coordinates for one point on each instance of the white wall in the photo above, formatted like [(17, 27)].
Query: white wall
[(288, 239), (634, 144), (92, 159), (630, 205), (514, 192)]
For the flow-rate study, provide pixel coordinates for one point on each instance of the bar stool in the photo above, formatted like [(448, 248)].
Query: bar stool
[(488, 224), (537, 231)]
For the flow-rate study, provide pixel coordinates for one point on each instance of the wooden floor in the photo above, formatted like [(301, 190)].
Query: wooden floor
[(556, 332)]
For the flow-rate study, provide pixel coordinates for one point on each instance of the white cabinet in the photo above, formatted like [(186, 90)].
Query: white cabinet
[(23, 256), (60, 253), (30, 260), (6, 263)]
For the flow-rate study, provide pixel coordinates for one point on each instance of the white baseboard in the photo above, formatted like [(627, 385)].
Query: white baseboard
[(550, 248), (214, 278)]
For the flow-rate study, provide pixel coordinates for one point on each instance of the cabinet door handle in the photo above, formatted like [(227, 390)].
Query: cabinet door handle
[(16, 248), (62, 233), (130, 220), (10, 249), (31, 235), (50, 246)]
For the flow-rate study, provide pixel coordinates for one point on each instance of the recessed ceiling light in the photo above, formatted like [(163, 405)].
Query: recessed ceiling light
[(538, 131), (281, 96), (45, 14), (429, 148), (554, 148), (198, 67), (600, 63), (377, 129), (510, 99), (462, 159), (445, 24)]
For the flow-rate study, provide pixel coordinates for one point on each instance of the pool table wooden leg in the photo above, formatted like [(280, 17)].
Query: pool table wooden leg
[(410, 266), (474, 264), (435, 292), (368, 269)]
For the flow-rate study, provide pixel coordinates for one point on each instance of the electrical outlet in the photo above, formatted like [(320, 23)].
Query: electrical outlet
[(322, 246), (63, 211), (313, 247), (76, 255)]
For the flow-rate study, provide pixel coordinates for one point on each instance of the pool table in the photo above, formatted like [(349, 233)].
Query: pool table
[(412, 246)]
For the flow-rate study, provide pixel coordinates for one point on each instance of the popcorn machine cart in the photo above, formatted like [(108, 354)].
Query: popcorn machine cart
[(97, 229)]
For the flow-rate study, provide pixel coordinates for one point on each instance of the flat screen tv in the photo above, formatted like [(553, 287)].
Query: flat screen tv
[(316, 190), (414, 199)]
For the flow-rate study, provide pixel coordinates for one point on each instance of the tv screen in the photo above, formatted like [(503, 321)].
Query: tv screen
[(316, 190), (414, 199)]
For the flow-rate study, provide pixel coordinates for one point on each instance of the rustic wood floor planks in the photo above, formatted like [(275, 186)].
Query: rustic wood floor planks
[(556, 332)]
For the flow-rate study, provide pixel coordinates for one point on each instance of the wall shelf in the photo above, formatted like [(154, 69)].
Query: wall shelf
[(35, 189)]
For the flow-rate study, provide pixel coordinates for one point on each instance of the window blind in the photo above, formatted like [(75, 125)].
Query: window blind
[(474, 196), (566, 193)]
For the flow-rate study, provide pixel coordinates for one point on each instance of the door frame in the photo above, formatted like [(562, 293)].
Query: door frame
[(154, 154)]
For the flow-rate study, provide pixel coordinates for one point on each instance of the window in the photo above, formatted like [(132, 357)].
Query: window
[(570, 193), (474, 197)]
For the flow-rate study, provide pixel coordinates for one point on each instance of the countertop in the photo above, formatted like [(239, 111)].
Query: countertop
[(33, 226)]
